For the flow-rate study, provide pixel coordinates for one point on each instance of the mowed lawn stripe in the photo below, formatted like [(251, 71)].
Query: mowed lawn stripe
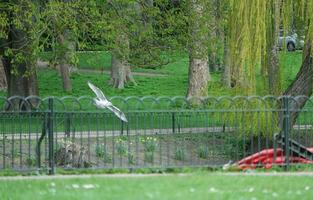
[(193, 186)]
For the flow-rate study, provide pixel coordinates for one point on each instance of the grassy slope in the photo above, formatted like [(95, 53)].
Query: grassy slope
[(174, 85), (159, 86), (196, 186)]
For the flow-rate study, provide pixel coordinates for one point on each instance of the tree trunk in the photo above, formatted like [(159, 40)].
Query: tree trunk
[(65, 75), (215, 36), (120, 69), (120, 73), (64, 67), (213, 64), (274, 74), (225, 79), (303, 83), (198, 50), (20, 84), (198, 77), (3, 80)]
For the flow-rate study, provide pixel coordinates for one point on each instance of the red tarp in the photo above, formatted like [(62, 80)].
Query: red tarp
[(265, 158)]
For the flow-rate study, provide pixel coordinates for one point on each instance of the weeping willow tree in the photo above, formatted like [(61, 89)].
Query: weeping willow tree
[(254, 27), (246, 41), (298, 14), (270, 68)]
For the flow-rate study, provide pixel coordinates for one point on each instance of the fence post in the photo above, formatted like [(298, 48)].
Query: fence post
[(42, 136), (286, 130), (122, 127), (67, 125), (50, 138), (173, 122)]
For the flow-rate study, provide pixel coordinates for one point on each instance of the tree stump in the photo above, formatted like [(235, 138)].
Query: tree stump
[(72, 155)]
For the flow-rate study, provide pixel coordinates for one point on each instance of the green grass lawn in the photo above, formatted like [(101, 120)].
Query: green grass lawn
[(87, 60), (194, 186), (175, 84)]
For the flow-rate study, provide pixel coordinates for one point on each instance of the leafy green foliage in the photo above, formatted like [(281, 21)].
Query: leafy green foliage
[(149, 157), (103, 154), (150, 143), (31, 161), (180, 154), (121, 146), (19, 25), (203, 152)]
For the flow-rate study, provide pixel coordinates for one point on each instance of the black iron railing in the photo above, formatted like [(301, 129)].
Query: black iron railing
[(44, 133)]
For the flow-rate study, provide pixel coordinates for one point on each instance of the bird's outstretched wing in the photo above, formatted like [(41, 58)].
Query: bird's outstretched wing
[(102, 102), (97, 91), (118, 113)]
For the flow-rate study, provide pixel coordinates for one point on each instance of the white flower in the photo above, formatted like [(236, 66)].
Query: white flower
[(52, 190), (149, 195), (52, 184), (298, 192), (251, 189), (192, 189), (274, 194), (42, 193), (307, 188), (212, 189), (265, 191), (76, 186), (88, 186)]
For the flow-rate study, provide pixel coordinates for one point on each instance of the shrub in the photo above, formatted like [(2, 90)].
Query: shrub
[(203, 152), (149, 157), (121, 146), (180, 154), (150, 144), (101, 152), (31, 161), (70, 154), (131, 159)]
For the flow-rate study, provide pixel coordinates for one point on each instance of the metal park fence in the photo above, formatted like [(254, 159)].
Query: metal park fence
[(47, 133)]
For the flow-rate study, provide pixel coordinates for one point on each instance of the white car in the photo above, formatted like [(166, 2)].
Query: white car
[(292, 42)]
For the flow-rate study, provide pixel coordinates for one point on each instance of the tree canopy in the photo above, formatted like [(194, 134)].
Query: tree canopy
[(143, 33)]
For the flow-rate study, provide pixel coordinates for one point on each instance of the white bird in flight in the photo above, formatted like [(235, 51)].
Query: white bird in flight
[(102, 102)]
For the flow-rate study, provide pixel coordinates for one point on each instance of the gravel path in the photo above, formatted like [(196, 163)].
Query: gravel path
[(95, 71), (116, 133), (44, 65)]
